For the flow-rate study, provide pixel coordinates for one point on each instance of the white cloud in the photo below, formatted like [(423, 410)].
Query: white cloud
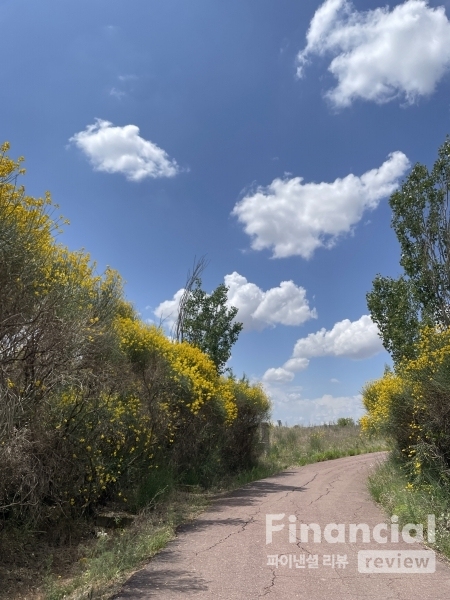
[(352, 339), (296, 364), (296, 218), (279, 375), (122, 150), (380, 54), (283, 305), (127, 77)]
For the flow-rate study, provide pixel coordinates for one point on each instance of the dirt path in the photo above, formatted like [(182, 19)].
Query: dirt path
[(224, 554)]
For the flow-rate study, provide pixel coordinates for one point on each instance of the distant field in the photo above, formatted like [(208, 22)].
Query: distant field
[(297, 446), (303, 445)]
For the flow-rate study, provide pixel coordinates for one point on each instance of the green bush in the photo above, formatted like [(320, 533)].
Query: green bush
[(412, 407), (345, 422)]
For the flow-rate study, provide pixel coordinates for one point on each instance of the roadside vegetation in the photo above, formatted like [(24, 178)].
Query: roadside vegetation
[(112, 433), (100, 559), (391, 487), (297, 446), (410, 404)]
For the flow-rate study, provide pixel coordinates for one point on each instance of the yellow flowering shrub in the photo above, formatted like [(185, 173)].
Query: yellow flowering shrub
[(193, 372), (242, 437), (92, 399), (433, 354), (104, 444), (55, 334), (412, 405), (378, 397), (209, 421)]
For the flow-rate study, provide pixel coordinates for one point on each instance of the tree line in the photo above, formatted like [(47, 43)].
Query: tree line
[(411, 402)]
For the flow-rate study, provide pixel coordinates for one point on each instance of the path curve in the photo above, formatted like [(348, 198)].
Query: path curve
[(224, 555)]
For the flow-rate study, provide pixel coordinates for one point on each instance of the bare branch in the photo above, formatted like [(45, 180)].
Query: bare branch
[(192, 277)]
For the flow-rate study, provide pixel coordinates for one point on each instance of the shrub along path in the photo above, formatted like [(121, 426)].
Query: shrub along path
[(224, 554)]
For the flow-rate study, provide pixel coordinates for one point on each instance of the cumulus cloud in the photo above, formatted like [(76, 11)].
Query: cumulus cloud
[(122, 150), (279, 375), (353, 339), (296, 218), (380, 54), (285, 305), (296, 364), (257, 309)]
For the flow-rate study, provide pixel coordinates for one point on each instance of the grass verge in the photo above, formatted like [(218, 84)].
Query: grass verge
[(108, 561), (305, 445), (390, 487)]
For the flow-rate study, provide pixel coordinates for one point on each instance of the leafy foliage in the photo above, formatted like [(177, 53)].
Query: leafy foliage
[(421, 296), (411, 404), (209, 323)]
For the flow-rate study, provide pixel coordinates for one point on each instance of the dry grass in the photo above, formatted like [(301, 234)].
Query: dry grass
[(303, 445)]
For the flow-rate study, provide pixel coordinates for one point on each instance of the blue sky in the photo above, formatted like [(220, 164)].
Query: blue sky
[(267, 135)]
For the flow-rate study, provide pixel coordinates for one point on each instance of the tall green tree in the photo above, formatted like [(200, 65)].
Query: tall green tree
[(206, 320), (421, 221), (209, 323)]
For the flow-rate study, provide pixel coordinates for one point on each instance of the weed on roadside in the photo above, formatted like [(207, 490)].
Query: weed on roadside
[(390, 487)]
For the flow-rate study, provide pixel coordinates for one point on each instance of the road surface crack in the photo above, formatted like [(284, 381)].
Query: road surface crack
[(327, 491), (243, 528), (269, 587)]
